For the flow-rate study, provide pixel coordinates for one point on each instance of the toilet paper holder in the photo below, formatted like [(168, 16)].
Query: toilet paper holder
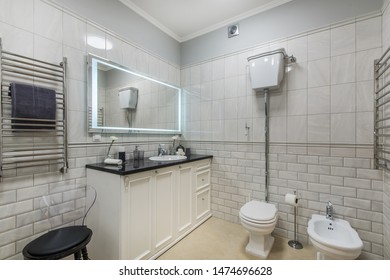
[(293, 200)]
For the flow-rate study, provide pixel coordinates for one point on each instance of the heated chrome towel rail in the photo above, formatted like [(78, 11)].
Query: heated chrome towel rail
[(25, 148)]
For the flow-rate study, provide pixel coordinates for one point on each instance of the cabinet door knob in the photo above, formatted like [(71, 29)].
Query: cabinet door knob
[(156, 171)]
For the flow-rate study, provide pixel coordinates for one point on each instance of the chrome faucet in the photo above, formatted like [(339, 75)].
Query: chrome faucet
[(329, 211), (161, 150)]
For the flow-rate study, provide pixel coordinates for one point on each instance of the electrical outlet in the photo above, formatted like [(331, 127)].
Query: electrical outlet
[(96, 138)]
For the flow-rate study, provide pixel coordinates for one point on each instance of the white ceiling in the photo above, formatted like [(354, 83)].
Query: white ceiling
[(187, 19)]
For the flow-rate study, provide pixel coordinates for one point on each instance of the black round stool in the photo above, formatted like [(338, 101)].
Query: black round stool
[(60, 243)]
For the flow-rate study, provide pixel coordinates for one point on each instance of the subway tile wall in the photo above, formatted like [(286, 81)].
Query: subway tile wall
[(386, 185), (321, 123), (43, 31)]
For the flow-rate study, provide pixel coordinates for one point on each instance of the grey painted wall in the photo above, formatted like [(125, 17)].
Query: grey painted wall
[(291, 18), (116, 17)]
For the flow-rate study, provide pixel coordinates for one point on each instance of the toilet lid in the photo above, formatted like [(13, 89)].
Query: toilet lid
[(259, 211)]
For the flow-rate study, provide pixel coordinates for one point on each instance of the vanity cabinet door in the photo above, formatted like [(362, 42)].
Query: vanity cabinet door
[(184, 198), (164, 203), (136, 211)]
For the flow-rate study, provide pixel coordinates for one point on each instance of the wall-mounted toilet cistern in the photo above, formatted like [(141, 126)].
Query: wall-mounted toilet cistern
[(260, 218)]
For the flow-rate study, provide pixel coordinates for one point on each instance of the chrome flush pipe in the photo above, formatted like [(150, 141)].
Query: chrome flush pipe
[(266, 130)]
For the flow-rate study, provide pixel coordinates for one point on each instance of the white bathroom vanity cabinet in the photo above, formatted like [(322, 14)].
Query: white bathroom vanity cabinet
[(142, 214)]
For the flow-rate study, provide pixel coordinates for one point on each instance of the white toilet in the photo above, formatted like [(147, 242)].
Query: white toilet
[(259, 218)]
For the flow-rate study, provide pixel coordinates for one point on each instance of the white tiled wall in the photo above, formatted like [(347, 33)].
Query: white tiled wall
[(386, 185), (42, 31), (321, 123)]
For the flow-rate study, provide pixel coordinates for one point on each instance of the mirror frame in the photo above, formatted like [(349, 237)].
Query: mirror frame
[(92, 91)]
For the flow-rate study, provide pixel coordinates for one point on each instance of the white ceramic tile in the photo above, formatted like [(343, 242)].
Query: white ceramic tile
[(76, 62), (343, 69), (319, 100), (218, 110), (77, 95), (277, 104), (343, 128), (142, 62), (163, 70), (205, 111), (205, 131), (206, 72), (242, 90), (257, 102), (318, 127), (363, 61), (369, 34), (298, 48), (47, 21), (319, 73), (195, 74), (16, 40), (218, 69), (343, 98), (278, 126), (297, 77), (129, 55), (218, 130), (47, 50), (319, 45), (230, 108), (343, 39), (206, 91), (18, 13), (185, 77), (243, 63), (231, 130), (218, 89), (297, 102), (154, 67), (231, 66), (297, 129), (257, 129), (242, 111), (364, 128), (77, 126), (74, 32), (114, 53), (231, 87), (364, 96)]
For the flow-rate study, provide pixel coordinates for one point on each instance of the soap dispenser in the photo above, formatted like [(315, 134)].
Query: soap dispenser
[(138, 154)]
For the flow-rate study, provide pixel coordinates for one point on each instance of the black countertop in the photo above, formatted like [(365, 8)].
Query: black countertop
[(131, 167)]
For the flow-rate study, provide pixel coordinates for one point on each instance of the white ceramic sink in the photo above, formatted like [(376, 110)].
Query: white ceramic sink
[(167, 158), (334, 239)]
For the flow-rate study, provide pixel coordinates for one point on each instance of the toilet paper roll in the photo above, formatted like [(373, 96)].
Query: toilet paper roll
[(291, 199)]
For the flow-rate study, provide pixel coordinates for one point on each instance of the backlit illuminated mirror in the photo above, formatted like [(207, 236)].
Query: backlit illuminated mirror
[(122, 100)]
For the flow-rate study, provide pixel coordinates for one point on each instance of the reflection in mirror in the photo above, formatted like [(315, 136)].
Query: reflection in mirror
[(122, 100)]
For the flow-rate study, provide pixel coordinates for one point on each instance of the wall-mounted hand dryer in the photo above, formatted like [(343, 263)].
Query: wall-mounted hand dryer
[(128, 98), (267, 69)]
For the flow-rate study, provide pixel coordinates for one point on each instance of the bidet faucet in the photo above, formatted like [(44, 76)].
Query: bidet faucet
[(329, 211)]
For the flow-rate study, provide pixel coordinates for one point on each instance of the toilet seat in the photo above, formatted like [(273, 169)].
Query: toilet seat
[(259, 212)]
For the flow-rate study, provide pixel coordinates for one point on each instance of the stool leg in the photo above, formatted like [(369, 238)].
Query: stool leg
[(77, 255), (85, 253)]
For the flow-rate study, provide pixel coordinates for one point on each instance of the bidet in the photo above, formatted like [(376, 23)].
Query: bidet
[(334, 239)]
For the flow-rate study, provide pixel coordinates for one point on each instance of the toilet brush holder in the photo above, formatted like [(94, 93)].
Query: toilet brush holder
[(295, 243)]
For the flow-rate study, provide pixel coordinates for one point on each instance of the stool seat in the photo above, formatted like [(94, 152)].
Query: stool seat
[(59, 243)]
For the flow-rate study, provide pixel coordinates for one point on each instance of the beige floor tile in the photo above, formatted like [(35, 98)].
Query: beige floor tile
[(217, 239)]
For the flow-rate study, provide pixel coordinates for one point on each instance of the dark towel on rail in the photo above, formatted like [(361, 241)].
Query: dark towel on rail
[(33, 102)]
